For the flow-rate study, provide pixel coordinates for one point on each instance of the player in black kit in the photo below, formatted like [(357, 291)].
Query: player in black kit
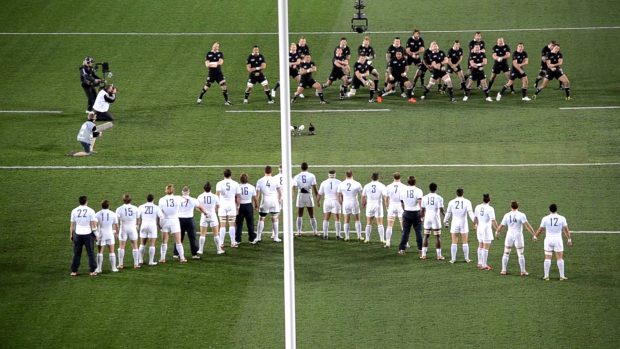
[(519, 61), (302, 47), (391, 54), (415, 48), (255, 66), (366, 50), (213, 62), (340, 64), (89, 81), (306, 68), (455, 56), (501, 53), (554, 61), (543, 62), (438, 61), (397, 73), (293, 68), (477, 61), (362, 71)]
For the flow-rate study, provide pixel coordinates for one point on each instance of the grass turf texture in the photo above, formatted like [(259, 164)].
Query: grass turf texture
[(342, 289)]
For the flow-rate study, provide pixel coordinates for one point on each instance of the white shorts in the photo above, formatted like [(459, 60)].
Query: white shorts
[(331, 206), (305, 200), (432, 221), (227, 209), (210, 221), (459, 226), (514, 238), (351, 207), (106, 242), (484, 233), (170, 225), (395, 210), (128, 232), (554, 244), (107, 237), (269, 205), (148, 230), (374, 209)]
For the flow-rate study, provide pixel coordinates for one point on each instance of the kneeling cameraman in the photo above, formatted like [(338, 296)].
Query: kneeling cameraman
[(87, 136), (102, 104)]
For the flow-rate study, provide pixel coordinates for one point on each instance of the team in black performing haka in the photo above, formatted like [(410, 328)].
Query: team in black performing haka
[(412, 59)]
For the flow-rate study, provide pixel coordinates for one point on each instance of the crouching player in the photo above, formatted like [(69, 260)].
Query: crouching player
[(362, 71)]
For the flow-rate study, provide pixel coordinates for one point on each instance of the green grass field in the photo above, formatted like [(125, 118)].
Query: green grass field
[(348, 295)]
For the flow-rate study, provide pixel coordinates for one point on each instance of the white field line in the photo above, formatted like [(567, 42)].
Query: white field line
[(313, 111), (582, 108), (306, 33), (30, 112), (595, 232), (154, 167)]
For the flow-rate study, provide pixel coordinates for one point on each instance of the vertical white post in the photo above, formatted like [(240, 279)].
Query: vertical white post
[(287, 214)]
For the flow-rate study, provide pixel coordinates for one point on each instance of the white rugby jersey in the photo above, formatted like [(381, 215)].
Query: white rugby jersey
[(268, 186), (82, 216), (304, 182), (227, 189), (432, 203), (127, 214), (373, 192), (410, 197), (106, 219), (485, 213), (349, 188), (393, 191), (514, 220), (170, 205), (329, 188), (188, 204), (248, 191), (553, 224), (459, 208), (209, 201), (148, 212)]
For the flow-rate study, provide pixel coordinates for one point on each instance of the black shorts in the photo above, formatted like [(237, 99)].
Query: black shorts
[(500, 67), (556, 74), (477, 75), (515, 74), (256, 78), (422, 67), (306, 83), (215, 76), (293, 72), (357, 83), (438, 74), (336, 74), (399, 79), (452, 71), (414, 61)]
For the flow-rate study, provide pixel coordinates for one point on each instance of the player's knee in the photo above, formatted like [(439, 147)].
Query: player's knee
[(548, 254), (265, 83), (520, 251), (248, 87), (507, 250)]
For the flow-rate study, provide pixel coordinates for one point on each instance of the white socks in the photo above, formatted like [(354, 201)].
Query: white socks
[(453, 249), (560, 263), (162, 251), (275, 231), (299, 224), (113, 261), (479, 250), (313, 225), (216, 240), (141, 253), (99, 262), (424, 249), (521, 263), (326, 228), (346, 231), (485, 254), (181, 251), (136, 257), (388, 234), (381, 232), (367, 232), (505, 258), (438, 251), (121, 256), (151, 254), (547, 267), (201, 244), (466, 251), (231, 232), (259, 229), (358, 229), (337, 224), (222, 235)]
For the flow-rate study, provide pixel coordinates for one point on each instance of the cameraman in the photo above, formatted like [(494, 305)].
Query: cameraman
[(87, 136), (106, 96), (89, 81)]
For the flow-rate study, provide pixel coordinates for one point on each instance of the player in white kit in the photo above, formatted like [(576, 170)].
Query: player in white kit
[(484, 223), (169, 205), (228, 192), (305, 185), (107, 221), (394, 207), (553, 225), (458, 209), (149, 216), (211, 203), (331, 205), (432, 210), (348, 193), (270, 191), (128, 219), (372, 200), (514, 220)]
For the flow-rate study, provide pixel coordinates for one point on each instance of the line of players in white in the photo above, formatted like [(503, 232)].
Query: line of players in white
[(129, 222)]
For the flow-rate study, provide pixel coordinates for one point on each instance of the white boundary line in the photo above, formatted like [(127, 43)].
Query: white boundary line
[(303, 33), (30, 111), (313, 111), (151, 167), (581, 108), (595, 232)]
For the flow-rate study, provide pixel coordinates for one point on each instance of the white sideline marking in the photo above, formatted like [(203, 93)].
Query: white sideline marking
[(149, 167), (31, 111), (309, 33), (595, 232), (313, 111), (580, 108)]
